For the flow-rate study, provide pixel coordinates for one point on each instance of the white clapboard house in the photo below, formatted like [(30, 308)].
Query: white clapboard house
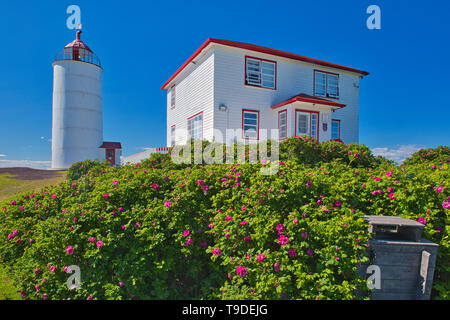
[(233, 85)]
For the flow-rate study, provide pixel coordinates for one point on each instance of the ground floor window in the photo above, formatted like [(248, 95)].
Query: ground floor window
[(172, 136), (282, 124), (335, 129), (250, 124), (307, 123), (195, 126)]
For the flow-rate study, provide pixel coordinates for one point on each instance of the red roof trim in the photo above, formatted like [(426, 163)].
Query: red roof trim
[(261, 49), (309, 100), (111, 145)]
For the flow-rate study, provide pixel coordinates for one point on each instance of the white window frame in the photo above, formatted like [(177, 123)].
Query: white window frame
[(256, 73), (333, 121), (312, 121), (282, 128), (172, 135), (248, 122), (172, 97), (195, 126), (326, 85)]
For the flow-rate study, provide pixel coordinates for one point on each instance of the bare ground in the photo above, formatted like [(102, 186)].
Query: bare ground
[(22, 173)]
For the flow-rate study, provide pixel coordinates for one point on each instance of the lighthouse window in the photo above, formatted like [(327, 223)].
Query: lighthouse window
[(195, 126)]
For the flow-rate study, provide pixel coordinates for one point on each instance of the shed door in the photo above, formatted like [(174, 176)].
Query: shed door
[(111, 156)]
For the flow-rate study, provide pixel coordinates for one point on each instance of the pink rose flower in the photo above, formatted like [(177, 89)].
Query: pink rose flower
[(276, 267), (52, 268), (422, 220), (283, 240), (188, 242), (216, 251), (292, 253), (439, 189), (115, 182), (69, 249), (106, 196), (99, 243), (186, 233), (260, 257), (241, 271), (167, 204)]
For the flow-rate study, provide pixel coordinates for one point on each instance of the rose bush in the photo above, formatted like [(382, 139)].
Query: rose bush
[(157, 230)]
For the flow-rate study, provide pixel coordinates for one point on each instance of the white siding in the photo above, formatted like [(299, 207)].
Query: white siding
[(193, 94), (293, 77), (218, 78)]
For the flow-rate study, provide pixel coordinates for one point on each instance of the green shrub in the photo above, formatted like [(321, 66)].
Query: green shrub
[(437, 155), (81, 168), (218, 231)]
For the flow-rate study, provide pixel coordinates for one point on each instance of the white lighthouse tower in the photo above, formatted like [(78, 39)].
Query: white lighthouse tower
[(77, 132)]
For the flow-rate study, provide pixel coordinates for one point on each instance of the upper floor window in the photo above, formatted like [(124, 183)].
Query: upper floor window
[(250, 124), (335, 129), (172, 97), (326, 84), (260, 72), (282, 124), (195, 126)]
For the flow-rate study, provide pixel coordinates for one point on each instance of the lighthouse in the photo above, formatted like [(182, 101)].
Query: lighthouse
[(77, 124)]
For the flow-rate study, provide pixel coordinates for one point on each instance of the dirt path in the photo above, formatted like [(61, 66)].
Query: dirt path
[(18, 180), (30, 174)]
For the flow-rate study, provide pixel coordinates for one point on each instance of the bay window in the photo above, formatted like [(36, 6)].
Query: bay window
[(307, 123)]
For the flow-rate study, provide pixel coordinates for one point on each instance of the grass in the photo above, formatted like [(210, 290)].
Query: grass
[(7, 289), (9, 187)]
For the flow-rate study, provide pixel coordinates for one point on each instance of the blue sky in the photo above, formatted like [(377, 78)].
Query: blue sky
[(404, 103)]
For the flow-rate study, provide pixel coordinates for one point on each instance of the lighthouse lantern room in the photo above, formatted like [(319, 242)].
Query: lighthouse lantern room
[(77, 125)]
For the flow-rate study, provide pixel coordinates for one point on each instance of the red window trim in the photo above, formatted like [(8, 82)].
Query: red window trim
[(253, 85), (174, 137), (195, 115), (174, 98), (279, 112), (326, 84), (339, 132), (310, 119), (257, 132)]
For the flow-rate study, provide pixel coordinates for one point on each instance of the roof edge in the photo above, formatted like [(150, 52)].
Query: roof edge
[(308, 100), (261, 49)]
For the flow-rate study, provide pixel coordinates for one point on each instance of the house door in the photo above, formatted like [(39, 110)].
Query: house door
[(111, 156)]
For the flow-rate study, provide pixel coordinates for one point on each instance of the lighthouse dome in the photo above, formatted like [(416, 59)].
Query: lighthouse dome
[(77, 50)]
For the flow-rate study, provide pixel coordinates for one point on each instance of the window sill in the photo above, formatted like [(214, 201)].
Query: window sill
[(258, 87), (326, 97)]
